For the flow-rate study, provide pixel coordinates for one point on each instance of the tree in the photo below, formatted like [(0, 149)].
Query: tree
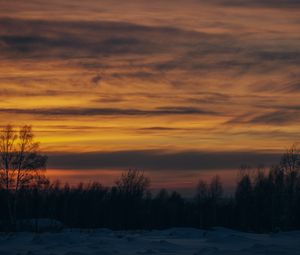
[(21, 164), (202, 201), (202, 191), (216, 188), (216, 193), (132, 188), (244, 202), (290, 161), (290, 166), (133, 183)]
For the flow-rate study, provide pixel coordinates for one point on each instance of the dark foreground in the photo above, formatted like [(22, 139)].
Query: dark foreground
[(183, 241)]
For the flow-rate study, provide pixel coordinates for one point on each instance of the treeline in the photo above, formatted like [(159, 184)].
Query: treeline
[(127, 205), (264, 200)]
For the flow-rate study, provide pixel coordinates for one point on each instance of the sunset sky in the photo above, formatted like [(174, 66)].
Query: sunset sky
[(182, 89)]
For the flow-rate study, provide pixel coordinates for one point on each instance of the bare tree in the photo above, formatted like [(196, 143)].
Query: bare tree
[(21, 164), (202, 191), (290, 168), (290, 161), (216, 188), (132, 188), (133, 183), (202, 199)]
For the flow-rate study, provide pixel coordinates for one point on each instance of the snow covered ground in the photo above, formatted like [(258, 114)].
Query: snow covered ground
[(171, 241)]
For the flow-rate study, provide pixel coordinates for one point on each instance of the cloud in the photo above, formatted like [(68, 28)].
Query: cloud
[(96, 79), (66, 46), (280, 56), (292, 86), (272, 133), (277, 118), (69, 39), (258, 3), (190, 51), (109, 111), (155, 160), (229, 63)]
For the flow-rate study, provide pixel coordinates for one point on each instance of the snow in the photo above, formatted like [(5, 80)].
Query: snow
[(40, 225), (178, 241)]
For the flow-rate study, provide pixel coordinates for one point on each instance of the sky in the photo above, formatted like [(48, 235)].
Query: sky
[(181, 89)]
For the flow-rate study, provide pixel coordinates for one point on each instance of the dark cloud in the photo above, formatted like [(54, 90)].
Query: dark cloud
[(6, 93), (109, 111), (258, 3), (247, 60), (109, 99), (96, 79), (210, 98), (277, 118), (161, 129), (66, 47), (280, 56), (160, 160), (190, 51), (24, 44), (69, 39), (138, 75), (290, 87), (276, 134)]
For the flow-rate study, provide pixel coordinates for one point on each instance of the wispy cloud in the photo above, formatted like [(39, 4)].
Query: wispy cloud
[(197, 75), (109, 111)]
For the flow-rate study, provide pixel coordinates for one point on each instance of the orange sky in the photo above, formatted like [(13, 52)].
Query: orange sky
[(149, 79)]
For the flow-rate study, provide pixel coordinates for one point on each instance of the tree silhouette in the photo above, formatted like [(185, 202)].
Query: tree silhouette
[(290, 167), (132, 188), (21, 165), (290, 160), (244, 201), (133, 183), (202, 202)]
